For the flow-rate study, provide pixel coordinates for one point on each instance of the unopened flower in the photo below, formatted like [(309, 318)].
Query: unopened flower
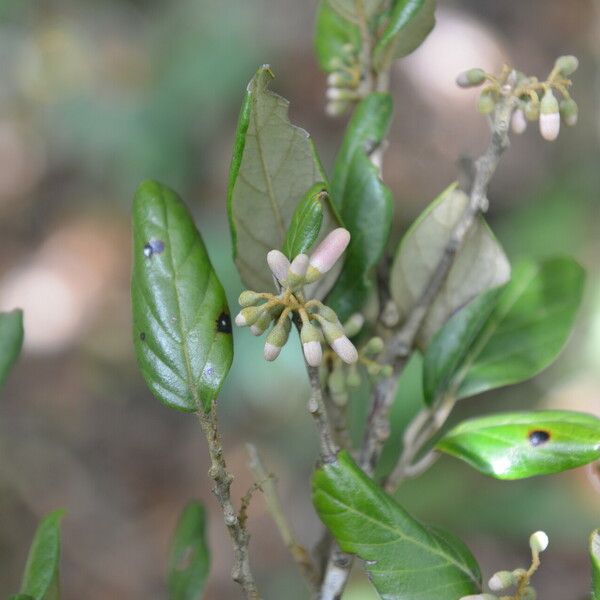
[(480, 597), (354, 324), (486, 102), (518, 121), (311, 344), (569, 111), (339, 342), (277, 338), (471, 78), (538, 542), (249, 315), (261, 324), (249, 298), (502, 580), (549, 117), (327, 253), (297, 271), (279, 264), (566, 65)]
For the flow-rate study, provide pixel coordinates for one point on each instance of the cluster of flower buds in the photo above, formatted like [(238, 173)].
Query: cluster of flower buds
[(342, 377), (519, 578), (535, 100), (343, 82), (319, 323)]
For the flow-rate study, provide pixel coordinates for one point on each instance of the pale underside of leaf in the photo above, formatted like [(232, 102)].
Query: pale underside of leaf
[(480, 263), (277, 167)]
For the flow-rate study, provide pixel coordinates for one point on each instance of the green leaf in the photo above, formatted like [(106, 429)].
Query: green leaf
[(273, 165), (306, 222), (410, 22), (479, 264), (595, 558), (507, 335), (41, 577), (523, 444), (21, 597), (181, 324), (364, 202), (367, 128), (11, 340), (333, 34), (405, 560), (189, 558)]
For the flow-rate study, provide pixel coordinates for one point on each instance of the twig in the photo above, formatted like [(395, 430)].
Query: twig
[(402, 342), (266, 483), (241, 572)]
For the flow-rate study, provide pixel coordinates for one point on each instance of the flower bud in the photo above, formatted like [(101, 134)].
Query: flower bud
[(327, 253), (470, 78), (335, 108), (261, 324), (566, 65), (518, 121), (549, 117), (249, 315), (502, 580), (311, 344), (336, 382), (338, 93), (480, 597), (297, 270), (538, 542), (327, 313), (386, 371), (249, 298), (345, 349), (486, 102), (569, 111), (354, 378), (337, 79), (528, 593), (519, 574), (374, 346), (354, 324), (277, 338), (279, 264)]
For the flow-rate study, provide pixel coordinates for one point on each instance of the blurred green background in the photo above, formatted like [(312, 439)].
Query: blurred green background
[(94, 97)]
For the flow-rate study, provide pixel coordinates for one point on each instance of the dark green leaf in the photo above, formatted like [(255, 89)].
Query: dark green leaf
[(481, 349), (21, 597), (11, 340), (181, 325), (41, 577), (480, 263), (409, 24), (405, 560), (189, 559), (595, 558), (367, 128), (333, 34), (306, 222), (364, 202), (273, 165), (523, 444)]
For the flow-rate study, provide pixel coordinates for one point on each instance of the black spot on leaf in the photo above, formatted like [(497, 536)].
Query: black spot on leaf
[(224, 323), (142, 336), (538, 437), (153, 247)]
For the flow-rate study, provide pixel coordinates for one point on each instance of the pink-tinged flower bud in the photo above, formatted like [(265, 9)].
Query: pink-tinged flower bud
[(279, 264), (549, 117), (271, 351), (518, 121), (345, 349), (297, 270), (327, 253)]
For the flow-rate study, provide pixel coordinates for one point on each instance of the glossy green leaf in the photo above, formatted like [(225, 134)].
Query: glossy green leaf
[(189, 558), (11, 340), (333, 34), (364, 202), (41, 576), (367, 128), (595, 558), (410, 22), (181, 325), (479, 264), (273, 165), (509, 335), (405, 560), (523, 444), (306, 222)]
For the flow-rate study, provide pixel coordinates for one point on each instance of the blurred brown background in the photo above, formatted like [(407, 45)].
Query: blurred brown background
[(94, 97)]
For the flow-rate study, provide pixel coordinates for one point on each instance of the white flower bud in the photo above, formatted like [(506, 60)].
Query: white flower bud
[(335, 108), (297, 270), (549, 117), (337, 79), (271, 352), (279, 264), (480, 597), (277, 338), (261, 324), (327, 253), (313, 353), (538, 542), (249, 315), (518, 121), (501, 581), (345, 349)]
